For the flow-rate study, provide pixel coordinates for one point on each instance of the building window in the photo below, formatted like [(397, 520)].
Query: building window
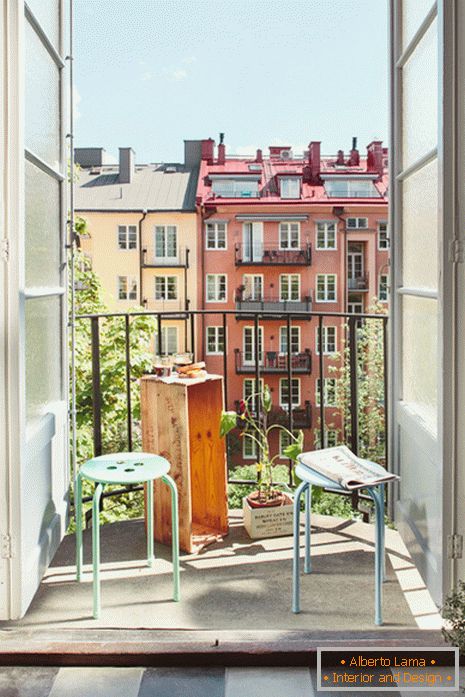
[(169, 341), (289, 287), (295, 339), (351, 188), (127, 288), (249, 447), (253, 286), (383, 288), (383, 238), (166, 288), (216, 235), (357, 223), (284, 392), (285, 441), (326, 235), (289, 235), (328, 339), (248, 338), (127, 236), (235, 188), (290, 187), (355, 304), (166, 245), (330, 392), (215, 340), (331, 438), (249, 392), (216, 288), (326, 288)]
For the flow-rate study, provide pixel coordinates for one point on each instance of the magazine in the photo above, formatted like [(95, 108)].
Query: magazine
[(346, 469)]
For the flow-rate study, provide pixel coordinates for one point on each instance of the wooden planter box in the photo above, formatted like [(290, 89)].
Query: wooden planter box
[(268, 522)]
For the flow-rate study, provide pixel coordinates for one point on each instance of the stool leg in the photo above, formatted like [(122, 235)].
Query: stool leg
[(150, 554), (78, 522), (308, 508), (378, 555), (382, 490), (174, 536), (96, 549), (296, 558)]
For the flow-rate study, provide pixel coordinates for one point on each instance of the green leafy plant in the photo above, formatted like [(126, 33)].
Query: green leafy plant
[(257, 428), (453, 612)]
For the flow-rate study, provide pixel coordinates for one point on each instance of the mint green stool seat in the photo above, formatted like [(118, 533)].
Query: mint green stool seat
[(124, 468)]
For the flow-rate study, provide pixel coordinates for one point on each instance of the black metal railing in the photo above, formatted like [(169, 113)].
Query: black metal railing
[(301, 416), (293, 416), (359, 282), (270, 303), (158, 258), (274, 362), (273, 254)]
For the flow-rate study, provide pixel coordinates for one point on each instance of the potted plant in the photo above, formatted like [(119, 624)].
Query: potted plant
[(268, 509)]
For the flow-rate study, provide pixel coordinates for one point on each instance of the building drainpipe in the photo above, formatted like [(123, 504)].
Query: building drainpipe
[(141, 258), (339, 212), (202, 270)]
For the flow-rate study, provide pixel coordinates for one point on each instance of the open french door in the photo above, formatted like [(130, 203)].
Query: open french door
[(34, 465)]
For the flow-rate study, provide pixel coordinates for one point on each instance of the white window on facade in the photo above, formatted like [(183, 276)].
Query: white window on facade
[(326, 288), (285, 441), (326, 235), (127, 236), (215, 340), (351, 188), (295, 339), (248, 338), (383, 292), (236, 188), (216, 235), (253, 286), (249, 448), (284, 392), (329, 340), (166, 288), (383, 236), (289, 235), (249, 391), (169, 341), (289, 287), (329, 394), (216, 288), (127, 288), (355, 304), (331, 438), (166, 242), (357, 223), (290, 187)]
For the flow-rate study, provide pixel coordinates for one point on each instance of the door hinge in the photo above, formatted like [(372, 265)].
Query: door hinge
[(454, 546), (6, 547), (5, 249), (457, 251)]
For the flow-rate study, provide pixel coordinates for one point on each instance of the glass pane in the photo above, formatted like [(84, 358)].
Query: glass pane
[(419, 360), (420, 228), (42, 101), (420, 99), (42, 228), (43, 354), (413, 14)]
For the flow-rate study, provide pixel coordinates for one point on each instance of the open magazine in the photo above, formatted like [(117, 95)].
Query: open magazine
[(341, 466)]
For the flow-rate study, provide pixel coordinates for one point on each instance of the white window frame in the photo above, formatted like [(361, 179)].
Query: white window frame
[(326, 224), (216, 330), (357, 225), (283, 337), (286, 189), (284, 403), (252, 454), (330, 434), (215, 228), (325, 276), (326, 386), (217, 276), (165, 241), (250, 330), (126, 231), (289, 276), (166, 277), (386, 239), (131, 282), (386, 277), (251, 381), (253, 276), (285, 231), (165, 341), (325, 328)]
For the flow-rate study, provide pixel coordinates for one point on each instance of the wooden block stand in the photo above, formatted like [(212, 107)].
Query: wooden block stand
[(181, 421)]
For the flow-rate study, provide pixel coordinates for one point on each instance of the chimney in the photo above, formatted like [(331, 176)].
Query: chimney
[(192, 153), (354, 159), (375, 157), (221, 150), (259, 157), (126, 165), (208, 147), (314, 159), (90, 157), (340, 157)]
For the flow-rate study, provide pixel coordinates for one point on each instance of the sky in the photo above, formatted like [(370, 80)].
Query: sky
[(151, 73)]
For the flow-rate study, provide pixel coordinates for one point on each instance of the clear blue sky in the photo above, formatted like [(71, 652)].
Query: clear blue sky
[(151, 73)]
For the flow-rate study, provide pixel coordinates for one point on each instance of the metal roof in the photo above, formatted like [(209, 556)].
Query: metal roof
[(153, 187)]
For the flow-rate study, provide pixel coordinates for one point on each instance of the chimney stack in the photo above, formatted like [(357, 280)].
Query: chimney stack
[(340, 157), (259, 157), (208, 148), (354, 159), (126, 165), (314, 159), (375, 157), (221, 150)]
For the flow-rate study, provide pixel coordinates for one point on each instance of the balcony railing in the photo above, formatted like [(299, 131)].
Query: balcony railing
[(264, 254), (152, 258), (358, 282), (301, 416), (267, 304), (274, 362)]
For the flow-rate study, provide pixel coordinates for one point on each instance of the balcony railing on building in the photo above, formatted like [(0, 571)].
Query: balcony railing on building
[(359, 282), (268, 303), (301, 415), (274, 362), (261, 254), (158, 258)]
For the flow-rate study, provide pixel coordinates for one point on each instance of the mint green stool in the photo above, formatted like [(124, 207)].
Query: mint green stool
[(124, 469)]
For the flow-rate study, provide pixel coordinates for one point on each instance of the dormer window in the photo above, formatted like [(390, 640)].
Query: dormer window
[(236, 187), (351, 188), (290, 187)]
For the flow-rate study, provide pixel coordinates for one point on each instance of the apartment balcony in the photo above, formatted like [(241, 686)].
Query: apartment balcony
[(153, 259), (266, 254), (264, 304), (358, 283), (274, 362)]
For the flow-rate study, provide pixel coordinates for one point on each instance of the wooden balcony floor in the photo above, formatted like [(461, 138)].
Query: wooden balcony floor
[(236, 584)]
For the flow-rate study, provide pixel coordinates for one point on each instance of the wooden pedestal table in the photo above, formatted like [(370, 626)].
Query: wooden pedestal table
[(181, 422)]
